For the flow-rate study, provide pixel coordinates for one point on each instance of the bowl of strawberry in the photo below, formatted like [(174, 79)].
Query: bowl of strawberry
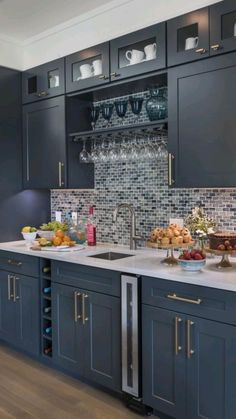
[(192, 261)]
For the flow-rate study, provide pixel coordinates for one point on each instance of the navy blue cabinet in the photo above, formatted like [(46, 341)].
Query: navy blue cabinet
[(202, 123), (223, 27), (19, 311), (44, 81), (86, 334)]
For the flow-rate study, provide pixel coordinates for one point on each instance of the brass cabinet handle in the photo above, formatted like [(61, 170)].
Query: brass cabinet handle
[(183, 299), (114, 74), (14, 262), (216, 47), (84, 318), (42, 94), (178, 347), (170, 177), (9, 294), (201, 51), (103, 77), (77, 316), (190, 351), (60, 166)]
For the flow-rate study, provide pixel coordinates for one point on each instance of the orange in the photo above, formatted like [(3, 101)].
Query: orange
[(66, 239), (56, 241), (59, 233)]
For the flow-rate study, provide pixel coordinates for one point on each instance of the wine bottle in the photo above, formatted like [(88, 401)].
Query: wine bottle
[(48, 330), (91, 228), (47, 290), (47, 310), (46, 269), (48, 350)]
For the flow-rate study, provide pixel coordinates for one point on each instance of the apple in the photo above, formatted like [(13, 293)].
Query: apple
[(227, 243), (198, 256)]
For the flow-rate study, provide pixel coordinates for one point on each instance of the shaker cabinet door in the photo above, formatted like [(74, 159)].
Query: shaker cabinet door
[(223, 27), (188, 37), (164, 364), (8, 330), (44, 144), (138, 52), (202, 129), (211, 370)]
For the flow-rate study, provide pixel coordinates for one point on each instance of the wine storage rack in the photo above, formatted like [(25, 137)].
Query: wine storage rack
[(46, 308)]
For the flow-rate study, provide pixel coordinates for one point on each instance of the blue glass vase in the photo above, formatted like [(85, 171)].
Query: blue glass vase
[(156, 105)]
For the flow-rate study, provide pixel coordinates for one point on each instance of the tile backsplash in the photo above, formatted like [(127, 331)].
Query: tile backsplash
[(143, 184)]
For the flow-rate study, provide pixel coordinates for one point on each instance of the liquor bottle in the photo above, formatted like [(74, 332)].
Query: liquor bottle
[(47, 310), (48, 330), (48, 350), (91, 228), (46, 269), (47, 290)]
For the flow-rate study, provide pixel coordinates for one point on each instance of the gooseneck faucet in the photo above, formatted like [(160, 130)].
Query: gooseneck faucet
[(133, 236)]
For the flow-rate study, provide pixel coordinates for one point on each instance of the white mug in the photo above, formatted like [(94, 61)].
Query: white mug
[(86, 71), (235, 29), (54, 81), (151, 51), (97, 67), (134, 56), (191, 43)]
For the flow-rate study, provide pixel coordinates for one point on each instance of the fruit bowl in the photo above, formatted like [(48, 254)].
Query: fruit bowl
[(192, 265), (29, 236)]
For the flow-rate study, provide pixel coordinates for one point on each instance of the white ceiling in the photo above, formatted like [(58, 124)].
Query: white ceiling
[(24, 19)]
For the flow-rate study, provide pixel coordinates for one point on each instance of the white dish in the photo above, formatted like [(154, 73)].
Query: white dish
[(63, 248)]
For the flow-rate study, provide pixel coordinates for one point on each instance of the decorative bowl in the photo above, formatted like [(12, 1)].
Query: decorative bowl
[(46, 234), (192, 265), (29, 236)]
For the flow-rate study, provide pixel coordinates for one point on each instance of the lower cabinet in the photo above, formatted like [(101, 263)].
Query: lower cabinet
[(19, 311), (86, 334), (189, 365)]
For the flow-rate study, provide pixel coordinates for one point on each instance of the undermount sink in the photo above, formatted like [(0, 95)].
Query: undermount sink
[(110, 256)]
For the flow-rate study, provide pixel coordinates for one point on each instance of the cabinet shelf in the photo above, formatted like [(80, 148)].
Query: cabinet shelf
[(154, 127), (47, 337)]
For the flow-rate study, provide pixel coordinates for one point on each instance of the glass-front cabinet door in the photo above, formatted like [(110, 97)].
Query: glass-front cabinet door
[(188, 37), (44, 81), (223, 27), (88, 68), (139, 52)]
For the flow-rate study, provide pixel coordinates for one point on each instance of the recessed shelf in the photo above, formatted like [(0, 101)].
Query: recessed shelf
[(47, 337)]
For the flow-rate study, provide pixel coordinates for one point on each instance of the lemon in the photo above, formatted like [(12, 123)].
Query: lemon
[(26, 229)]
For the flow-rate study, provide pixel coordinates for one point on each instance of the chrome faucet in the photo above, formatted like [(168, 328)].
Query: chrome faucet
[(133, 236)]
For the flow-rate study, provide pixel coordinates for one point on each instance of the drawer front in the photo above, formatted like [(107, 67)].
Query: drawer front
[(196, 300), (92, 279), (18, 263)]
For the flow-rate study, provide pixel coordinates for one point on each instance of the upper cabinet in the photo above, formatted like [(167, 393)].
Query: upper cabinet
[(223, 27), (188, 37), (44, 81), (138, 52), (88, 68)]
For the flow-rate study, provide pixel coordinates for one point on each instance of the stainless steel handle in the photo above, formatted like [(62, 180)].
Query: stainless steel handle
[(190, 351), (114, 74), (77, 316), (216, 47), (185, 300), (9, 294), (60, 166), (84, 318), (103, 77), (14, 262), (15, 296), (178, 347), (201, 51), (170, 177)]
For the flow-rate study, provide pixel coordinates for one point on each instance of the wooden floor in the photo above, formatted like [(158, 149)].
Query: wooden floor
[(30, 390)]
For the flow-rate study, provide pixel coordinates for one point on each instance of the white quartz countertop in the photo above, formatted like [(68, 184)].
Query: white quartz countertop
[(146, 262)]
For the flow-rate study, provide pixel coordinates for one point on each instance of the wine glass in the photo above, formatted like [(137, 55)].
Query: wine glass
[(94, 153), (136, 104), (107, 111), (95, 110), (121, 108), (84, 156)]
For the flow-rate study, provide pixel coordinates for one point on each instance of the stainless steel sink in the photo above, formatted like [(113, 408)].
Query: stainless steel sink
[(110, 256)]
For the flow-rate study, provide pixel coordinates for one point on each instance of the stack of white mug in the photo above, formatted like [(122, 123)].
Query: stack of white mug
[(90, 70), (136, 56)]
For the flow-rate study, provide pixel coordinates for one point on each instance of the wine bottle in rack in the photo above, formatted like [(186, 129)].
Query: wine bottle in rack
[(47, 290), (47, 310), (48, 350), (46, 269), (48, 330)]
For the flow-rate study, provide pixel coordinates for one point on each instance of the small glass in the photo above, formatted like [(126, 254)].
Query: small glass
[(95, 111), (107, 111), (136, 104), (121, 109)]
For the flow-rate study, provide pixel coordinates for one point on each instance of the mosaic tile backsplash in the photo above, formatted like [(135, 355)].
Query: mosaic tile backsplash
[(143, 184)]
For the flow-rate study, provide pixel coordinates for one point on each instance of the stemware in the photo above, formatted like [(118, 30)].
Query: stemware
[(94, 153), (84, 156), (136, 104), (162, 152), (121, 108), (107, 111), (95, 110)]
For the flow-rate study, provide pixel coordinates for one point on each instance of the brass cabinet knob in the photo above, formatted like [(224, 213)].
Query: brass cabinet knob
[(201, 51), (216, 47)]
